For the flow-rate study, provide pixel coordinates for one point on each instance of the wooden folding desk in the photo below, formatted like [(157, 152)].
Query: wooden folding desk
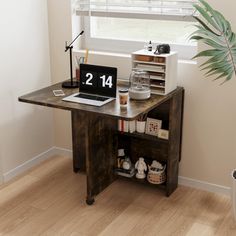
[(95, 136)]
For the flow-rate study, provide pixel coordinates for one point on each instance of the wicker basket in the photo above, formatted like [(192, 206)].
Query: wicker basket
[(156, 177)]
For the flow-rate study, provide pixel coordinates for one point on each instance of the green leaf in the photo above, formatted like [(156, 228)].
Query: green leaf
[(212, 43), (205, 15), (215, 14), (204, 33), (196, 37), (219, 57), (216, 32), (221, 76), (204, 25), (207, 53), (218, 66), (229, 76)]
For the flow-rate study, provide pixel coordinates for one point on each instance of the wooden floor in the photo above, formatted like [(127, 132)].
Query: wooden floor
[(50, 200)]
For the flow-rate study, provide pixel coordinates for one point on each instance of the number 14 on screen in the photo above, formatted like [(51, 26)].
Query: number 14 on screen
[(98, 80)]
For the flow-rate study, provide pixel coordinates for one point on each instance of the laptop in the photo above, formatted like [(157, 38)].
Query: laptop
[(97, 85)]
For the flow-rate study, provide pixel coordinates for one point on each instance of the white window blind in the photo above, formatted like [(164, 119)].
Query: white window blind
[(141, 9)]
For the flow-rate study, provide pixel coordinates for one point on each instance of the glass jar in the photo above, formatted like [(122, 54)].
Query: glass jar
[(139, 85)]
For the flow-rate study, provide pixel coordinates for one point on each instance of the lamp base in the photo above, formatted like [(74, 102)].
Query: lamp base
[(70, 84)]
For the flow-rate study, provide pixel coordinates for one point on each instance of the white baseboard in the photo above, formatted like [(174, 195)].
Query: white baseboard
[(63, 151), (28, 164), (204, 186), (36, 160)]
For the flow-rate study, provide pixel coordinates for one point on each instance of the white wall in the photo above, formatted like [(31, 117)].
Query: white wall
[(59, 18), (25, 130)]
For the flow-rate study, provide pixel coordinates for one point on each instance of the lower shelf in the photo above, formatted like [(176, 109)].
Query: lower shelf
[(143, 181)]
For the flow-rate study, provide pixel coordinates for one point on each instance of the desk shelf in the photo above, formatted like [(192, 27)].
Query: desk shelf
[(143, 136), (151, 148), (143, 181)]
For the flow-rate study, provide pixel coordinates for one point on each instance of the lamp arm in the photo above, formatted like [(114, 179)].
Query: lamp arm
[(67, 47)]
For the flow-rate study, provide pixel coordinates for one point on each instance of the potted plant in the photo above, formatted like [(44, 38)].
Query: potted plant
[(216, 32)]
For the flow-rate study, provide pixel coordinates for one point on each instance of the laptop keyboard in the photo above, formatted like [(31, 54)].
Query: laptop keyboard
[(92, 97)]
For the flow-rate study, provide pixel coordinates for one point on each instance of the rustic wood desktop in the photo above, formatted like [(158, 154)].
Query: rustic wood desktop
[(96, 140)]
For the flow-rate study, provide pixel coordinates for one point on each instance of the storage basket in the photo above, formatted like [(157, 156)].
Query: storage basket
[(156, 177)]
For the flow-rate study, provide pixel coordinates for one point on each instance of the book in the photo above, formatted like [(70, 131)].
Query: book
[(126, 173), (123, 125)]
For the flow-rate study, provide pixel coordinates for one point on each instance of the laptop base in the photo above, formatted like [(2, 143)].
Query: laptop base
[(87, 101)]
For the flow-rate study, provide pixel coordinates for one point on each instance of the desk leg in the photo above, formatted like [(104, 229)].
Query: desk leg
[(101, 153), (78, 123)]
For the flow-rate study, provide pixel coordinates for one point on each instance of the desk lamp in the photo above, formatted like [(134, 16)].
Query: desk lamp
[(71, 83)]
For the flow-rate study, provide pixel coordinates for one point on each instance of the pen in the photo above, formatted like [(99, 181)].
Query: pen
[(86, 56)]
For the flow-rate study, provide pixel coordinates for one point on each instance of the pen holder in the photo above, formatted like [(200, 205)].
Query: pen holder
[(78, 61), (77, 74), (140, 126)]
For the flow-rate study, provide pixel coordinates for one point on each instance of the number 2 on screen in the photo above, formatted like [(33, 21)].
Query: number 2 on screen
[(106, 82), (90, 77)]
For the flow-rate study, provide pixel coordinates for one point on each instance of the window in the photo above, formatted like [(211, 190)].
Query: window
[(131, 23)]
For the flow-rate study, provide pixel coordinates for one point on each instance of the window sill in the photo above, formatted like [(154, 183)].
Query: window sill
[(125, 55), (102, 53)]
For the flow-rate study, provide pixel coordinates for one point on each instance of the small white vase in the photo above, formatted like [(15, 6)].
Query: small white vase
[(140, 126), (132, 127)]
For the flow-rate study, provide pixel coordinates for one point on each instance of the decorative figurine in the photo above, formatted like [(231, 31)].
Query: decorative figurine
[(127, 164), (141, 166)]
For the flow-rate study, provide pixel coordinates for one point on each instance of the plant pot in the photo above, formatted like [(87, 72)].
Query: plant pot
[(233, 194), (140, 126)]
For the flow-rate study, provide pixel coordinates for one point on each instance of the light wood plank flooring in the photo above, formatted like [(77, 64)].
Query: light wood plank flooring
[(49, 200)]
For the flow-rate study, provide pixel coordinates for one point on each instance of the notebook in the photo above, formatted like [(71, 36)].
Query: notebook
[(97, 85)]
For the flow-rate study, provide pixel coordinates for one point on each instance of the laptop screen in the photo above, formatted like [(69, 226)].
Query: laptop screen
[(99, 80)]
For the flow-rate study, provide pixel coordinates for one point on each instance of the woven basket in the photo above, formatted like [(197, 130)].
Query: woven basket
[(156, 177)]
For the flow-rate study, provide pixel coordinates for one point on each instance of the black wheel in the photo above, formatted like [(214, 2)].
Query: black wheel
[(90, 201), (75, 169)]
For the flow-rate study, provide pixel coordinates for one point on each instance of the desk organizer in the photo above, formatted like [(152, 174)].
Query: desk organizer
[(162, 69)]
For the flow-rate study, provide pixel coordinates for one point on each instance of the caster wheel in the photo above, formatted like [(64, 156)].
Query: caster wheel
[(90, 201), (76, 170)]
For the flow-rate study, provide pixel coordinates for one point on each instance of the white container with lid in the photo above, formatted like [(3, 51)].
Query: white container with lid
[(139, 85)]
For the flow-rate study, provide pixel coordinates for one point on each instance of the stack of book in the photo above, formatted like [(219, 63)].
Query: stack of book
[(126, 173), (126, 126)]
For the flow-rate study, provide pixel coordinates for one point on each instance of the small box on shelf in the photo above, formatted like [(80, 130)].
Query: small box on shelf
[(164, 134)]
